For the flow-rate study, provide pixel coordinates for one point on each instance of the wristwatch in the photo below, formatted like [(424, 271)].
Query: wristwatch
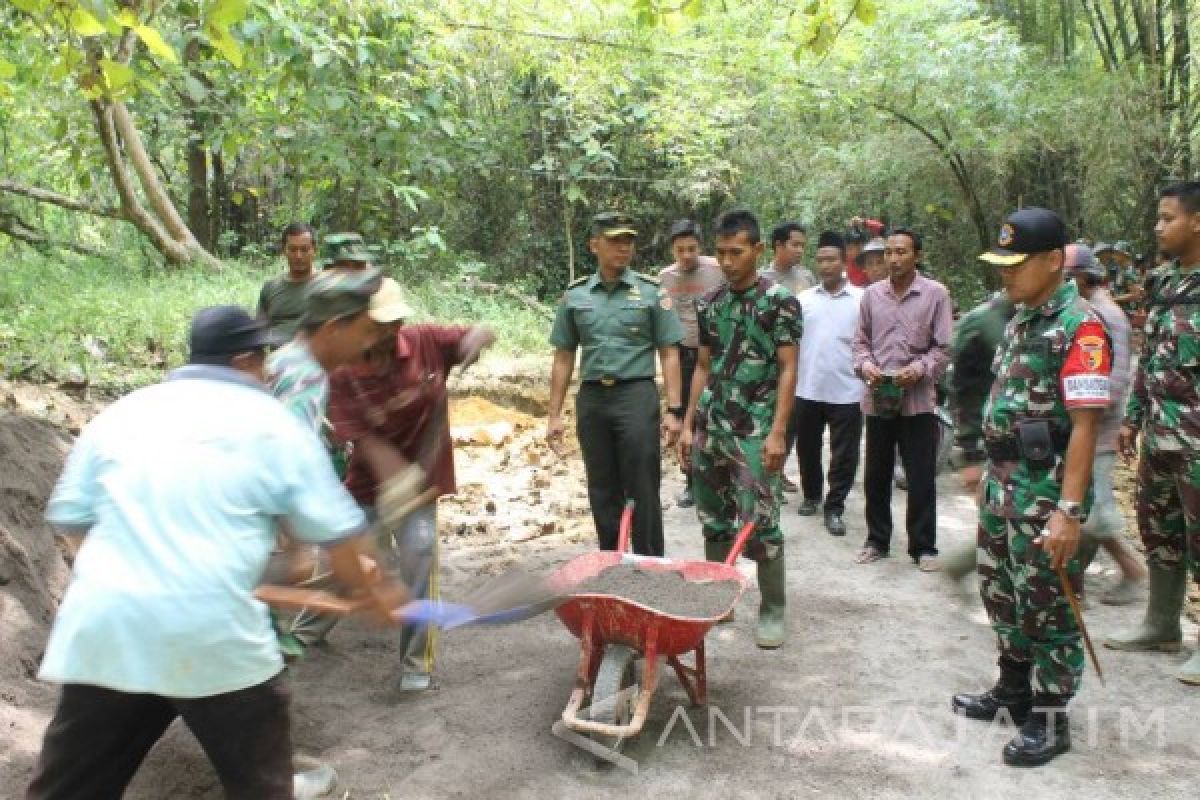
[(1071, 509), (675, 411)]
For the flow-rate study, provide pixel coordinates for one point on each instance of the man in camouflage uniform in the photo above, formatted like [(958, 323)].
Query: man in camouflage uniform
[(1164, 409), (1040, 426), (749, 330)]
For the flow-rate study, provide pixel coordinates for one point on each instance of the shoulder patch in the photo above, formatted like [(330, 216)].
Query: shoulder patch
[(580, 281)]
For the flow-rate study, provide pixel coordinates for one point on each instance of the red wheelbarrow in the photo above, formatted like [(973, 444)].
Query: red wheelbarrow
[(614, 632)]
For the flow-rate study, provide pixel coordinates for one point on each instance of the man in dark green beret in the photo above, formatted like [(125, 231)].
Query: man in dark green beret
[(619, 318)]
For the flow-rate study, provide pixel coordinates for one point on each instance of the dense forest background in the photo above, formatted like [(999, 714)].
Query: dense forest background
[(476, 138)]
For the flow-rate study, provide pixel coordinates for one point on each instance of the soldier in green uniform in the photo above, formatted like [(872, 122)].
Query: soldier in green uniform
[(281, 299), (1164, 410), (619, 318), (739, 406), (977, 337), (1040, 427), (1126, 286)]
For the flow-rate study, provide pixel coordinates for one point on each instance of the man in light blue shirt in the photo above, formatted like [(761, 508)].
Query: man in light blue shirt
[(827, 390), (177, 489)]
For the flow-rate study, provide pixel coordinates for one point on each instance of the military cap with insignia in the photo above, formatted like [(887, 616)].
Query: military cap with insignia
[(1026, 232), (613, 223)]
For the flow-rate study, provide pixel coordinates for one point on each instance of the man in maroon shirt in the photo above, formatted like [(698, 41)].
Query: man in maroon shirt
[(900, 351), (393, 408)]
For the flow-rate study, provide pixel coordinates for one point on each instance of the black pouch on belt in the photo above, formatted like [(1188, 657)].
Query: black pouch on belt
[(1036, 443)]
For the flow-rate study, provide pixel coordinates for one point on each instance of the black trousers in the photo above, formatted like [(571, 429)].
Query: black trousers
[(844, 420), (99, 737), (687, 370), (618, 430), (917, 438)]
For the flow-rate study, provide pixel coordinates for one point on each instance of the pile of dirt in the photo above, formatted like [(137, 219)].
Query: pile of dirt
[(33, 572), (663, 590)]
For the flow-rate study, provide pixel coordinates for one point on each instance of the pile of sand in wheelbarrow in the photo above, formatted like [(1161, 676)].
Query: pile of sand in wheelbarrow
[(663, 590), (33, 572)]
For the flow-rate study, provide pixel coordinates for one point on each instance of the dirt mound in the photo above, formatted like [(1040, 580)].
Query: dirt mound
[(33, 572)]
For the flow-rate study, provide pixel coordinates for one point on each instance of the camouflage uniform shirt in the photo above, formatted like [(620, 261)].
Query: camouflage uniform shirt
[(742, 330), (1165, 403), (1056, 357)]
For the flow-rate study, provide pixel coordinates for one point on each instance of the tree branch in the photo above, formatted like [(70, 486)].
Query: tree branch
[(60, 200), (14, 226)]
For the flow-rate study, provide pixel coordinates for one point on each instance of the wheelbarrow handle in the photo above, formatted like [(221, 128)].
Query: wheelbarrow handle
[(743, 536), (626, 529)]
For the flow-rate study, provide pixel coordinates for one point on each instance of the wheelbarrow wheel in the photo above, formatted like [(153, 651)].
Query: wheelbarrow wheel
[(615, 692)]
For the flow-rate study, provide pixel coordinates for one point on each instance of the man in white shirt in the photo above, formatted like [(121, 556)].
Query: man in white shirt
[(828, 393), (177, 491)]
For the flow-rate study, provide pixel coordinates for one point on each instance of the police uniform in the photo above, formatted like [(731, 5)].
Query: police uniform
[(1164, 408), (619, 328), (1056, 358)]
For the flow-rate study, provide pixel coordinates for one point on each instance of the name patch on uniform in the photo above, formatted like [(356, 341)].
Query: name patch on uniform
[(1086, 390), (1086, 369)]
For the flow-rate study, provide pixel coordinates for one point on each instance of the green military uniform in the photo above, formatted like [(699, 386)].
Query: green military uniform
[(977, 337), (1055, 358), (734, 415), (619, 327), (1024, 599), (1165, 408)]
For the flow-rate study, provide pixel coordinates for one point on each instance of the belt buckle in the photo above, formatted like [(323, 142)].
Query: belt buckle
[(608, 381)]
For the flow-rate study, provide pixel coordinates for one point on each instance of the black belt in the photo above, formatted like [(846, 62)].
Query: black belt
[(1009, 448), (610, 382)]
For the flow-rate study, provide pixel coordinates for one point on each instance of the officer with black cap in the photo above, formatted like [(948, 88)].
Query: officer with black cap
[(618, 318), (1040, 426)]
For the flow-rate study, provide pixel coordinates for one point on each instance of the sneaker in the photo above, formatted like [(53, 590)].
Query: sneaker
[(928, 563), (685, 499), (808, 508), (316, 782), (834, 524), (789, 485)]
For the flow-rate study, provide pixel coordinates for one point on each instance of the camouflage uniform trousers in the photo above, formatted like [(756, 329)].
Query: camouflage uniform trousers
[(1026, 605), (731, 486), (1168, 509)]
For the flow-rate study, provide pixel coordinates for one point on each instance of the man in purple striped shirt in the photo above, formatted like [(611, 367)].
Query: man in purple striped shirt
[(901, 348)]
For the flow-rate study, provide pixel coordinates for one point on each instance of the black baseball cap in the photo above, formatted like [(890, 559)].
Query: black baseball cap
[(1026, 232), (221, 332)]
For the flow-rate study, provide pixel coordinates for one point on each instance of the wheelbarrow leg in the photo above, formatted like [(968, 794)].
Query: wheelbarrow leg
[(693, 678)]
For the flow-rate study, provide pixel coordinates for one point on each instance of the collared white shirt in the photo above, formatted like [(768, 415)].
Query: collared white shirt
[(179, 486), (825, 369)]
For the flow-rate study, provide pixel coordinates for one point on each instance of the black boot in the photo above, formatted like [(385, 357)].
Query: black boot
[(1011, 693), (1046, 734)]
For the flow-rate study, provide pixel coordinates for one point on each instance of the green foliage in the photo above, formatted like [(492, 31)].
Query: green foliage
[(122, 323), (480, 136)]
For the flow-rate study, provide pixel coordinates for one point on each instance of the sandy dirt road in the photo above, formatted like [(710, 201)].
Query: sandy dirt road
[(854, 705)]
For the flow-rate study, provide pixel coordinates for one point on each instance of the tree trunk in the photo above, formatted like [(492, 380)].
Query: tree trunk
[(199, 209)]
